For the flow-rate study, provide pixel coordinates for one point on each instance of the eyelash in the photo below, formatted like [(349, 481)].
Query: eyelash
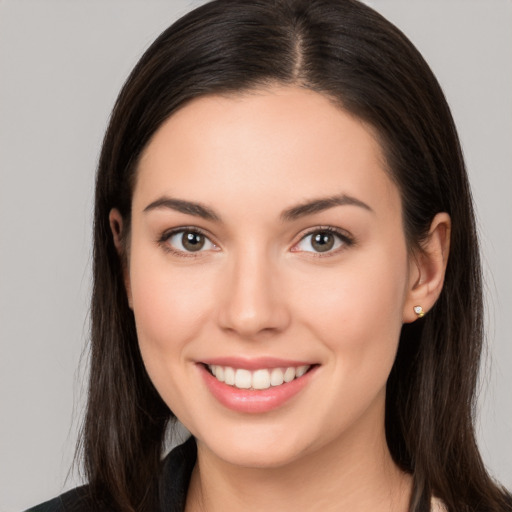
[(163, 241), (342, 236)]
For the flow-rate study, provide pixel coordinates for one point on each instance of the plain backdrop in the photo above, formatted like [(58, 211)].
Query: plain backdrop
[(61, 66)]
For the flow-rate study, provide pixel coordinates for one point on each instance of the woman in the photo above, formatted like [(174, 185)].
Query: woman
[(286, 260)]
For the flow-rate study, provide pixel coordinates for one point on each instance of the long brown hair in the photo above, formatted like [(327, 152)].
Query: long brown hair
[(345, 50)]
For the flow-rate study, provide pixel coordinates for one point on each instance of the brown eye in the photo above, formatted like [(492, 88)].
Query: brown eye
[(323, 241), (188, 240), (192, 241)]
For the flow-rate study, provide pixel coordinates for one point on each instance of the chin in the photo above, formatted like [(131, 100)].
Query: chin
[(256, 448), (259, 458)]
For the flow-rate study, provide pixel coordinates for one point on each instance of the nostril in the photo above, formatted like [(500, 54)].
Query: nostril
[(251, 300)]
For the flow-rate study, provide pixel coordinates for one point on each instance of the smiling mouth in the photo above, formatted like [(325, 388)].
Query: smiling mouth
[(259, 379)]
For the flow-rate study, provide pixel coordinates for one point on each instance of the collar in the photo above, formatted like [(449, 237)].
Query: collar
[(175, 477)]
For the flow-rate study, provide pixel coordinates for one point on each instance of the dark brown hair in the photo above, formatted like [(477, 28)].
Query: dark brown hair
[(345, 50)]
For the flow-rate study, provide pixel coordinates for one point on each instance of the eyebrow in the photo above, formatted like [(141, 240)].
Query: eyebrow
[(182, 206), (290, 214), (321, 204)]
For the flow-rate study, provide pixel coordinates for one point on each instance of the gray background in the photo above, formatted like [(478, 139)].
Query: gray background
[(61, 66)]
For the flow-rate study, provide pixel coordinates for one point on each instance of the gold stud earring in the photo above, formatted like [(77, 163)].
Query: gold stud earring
[(419, 311)]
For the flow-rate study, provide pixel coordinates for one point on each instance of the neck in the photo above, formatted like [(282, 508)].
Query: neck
[(355, 473)]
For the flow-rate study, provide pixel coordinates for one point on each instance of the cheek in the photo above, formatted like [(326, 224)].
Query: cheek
[(171, 305), (357, 309)]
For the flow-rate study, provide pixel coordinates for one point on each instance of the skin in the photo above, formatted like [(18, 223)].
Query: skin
[(260, 289)]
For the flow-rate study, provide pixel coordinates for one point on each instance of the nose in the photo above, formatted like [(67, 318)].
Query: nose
[(253, 302)]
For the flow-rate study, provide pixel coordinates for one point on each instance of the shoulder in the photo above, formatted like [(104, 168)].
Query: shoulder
[(76, 500), (173, 485)]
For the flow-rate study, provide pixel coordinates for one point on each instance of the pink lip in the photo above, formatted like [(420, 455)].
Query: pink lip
[(254, 401), (254, 363)]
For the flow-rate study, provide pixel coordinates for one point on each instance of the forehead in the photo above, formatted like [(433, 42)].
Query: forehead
[(282, 144)]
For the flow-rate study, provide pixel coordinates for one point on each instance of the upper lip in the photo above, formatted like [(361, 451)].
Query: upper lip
[(255, 363)]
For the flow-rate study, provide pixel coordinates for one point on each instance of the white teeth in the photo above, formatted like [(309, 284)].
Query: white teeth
[(301, 370), (243, 379), (261, 379), (289, 374), (258, 379), (229, 376), (276, 377), (219, 373)]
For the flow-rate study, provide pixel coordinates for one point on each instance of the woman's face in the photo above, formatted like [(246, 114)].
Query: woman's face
[(267, 242)]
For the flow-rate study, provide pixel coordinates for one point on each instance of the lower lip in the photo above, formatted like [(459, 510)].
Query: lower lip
[(254, 401)]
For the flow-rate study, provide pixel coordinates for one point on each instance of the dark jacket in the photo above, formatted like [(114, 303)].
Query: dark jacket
[(173, 486)]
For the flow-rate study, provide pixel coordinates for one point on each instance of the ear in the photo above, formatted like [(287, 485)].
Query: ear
[(116, 226), (427, 268)]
